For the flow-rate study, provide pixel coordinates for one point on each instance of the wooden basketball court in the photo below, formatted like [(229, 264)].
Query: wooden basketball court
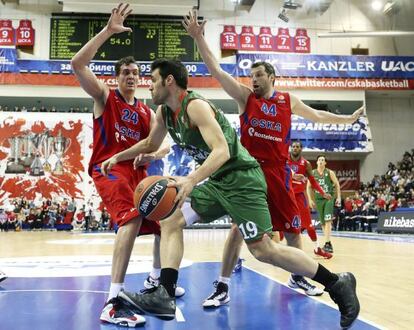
[(383, 265)]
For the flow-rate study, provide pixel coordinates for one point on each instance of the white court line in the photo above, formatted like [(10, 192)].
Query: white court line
[(53, 290), (320, 301), (179, 316)]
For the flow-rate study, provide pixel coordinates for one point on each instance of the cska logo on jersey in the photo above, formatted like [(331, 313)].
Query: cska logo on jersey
[(271, 111), (295, 168)]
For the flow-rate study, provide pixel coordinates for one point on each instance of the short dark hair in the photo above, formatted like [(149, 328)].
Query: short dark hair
[(268, 67), (298, 142), (125, 60), (319, 156), (172, 67)]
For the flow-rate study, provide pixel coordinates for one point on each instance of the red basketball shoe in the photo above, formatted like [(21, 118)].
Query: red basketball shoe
[(322, 253)]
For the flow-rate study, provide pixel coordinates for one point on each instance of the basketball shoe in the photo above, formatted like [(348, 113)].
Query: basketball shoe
[(116, 312), (3, 276), (154, 301), (299, 282), (343, 293), (328, 247), (151, 283), (238, 266), (323, 253), (219, 297)]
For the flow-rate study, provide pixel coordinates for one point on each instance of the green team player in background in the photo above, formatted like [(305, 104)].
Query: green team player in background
[(330, 184), (236, 186)]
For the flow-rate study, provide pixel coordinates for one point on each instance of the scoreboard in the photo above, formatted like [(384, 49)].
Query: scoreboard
[(151, 37)]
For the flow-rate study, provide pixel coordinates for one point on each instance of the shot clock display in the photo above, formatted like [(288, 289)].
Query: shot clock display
[(151, 38)]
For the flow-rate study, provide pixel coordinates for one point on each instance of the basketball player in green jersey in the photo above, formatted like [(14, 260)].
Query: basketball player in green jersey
[(235, 186), (330, 184)]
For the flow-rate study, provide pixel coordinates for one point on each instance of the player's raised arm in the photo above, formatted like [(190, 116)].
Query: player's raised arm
[(301, 109), (236, 90), (80, 61)]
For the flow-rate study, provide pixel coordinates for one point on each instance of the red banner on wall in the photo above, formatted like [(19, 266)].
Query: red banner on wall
[(6, 33), (265, 40), (283, 40), (301, 41), (229, 39), (25, 33), (248, 39), (347, 172)]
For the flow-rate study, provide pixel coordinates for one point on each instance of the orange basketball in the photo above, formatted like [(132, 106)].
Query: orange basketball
[(153, 199)]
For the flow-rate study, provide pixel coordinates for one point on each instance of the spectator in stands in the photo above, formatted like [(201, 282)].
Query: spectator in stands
[(393, 204), (71, 205), (21, 218), (349, 213), (31, 218), (79, 220), (3, 220), (105, 219), (38, 221), (381, 203), (11, 220)]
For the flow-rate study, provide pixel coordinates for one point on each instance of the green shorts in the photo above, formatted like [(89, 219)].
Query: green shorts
[(241, 194), (325, 209)]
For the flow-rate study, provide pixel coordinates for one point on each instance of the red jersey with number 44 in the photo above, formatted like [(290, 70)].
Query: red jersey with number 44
[(120, 127), (265, 127), (298, 167)]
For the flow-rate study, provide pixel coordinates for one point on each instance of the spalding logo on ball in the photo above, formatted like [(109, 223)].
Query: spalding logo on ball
[(153, 199)]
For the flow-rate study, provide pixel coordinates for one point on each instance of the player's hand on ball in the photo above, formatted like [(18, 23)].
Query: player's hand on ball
[(107, 165), (184, 185)]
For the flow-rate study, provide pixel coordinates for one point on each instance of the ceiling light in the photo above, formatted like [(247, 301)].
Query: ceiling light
[(376, 5)]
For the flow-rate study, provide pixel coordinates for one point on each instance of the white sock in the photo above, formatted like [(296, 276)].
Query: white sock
[(225, 280), (155, 273), (316, 244), (114, 290)]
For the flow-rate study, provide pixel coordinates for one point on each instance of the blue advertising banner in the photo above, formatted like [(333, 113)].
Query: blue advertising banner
[(102, 67), (287, 65), (331, 66), (316, 137), (8, 59)]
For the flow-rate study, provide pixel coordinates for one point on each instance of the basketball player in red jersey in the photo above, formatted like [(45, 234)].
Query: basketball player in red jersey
[(120, 121), (265, 118), (302, 170)]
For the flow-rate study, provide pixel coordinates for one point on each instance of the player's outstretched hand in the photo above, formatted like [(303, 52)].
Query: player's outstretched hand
[(107, 165), (118, 16), (143, 159), (192, 26), (358, 113), (184, 185)]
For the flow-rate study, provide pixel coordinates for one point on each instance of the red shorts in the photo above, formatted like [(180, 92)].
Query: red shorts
[(117, 193), (304, 211), (281, 198)]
